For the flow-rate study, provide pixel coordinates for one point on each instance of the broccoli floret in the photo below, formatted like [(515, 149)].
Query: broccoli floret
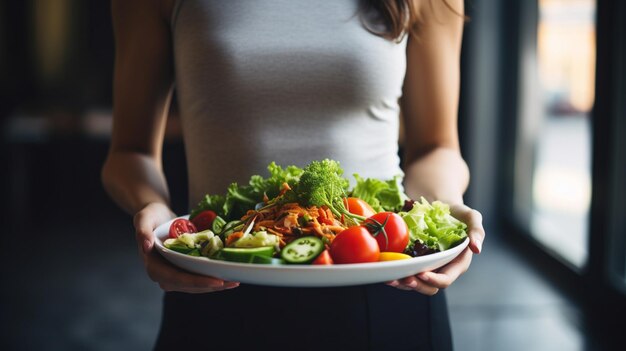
[(322, 184)]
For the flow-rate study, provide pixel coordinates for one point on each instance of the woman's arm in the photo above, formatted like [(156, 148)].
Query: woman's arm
[(433, 160), (142, 88), (434, 166), (132, 173)]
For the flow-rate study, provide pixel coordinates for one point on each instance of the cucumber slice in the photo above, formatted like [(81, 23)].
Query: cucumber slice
[(218, 224), (194, 252), (245, 254), (302, 250), (179, 248), (267, 260)]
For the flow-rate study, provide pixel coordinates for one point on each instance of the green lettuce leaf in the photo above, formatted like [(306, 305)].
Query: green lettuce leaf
[(381, 195), (238, 199), (272, 185), (433, 225), (392, 198), (214, 203), (367, 189)]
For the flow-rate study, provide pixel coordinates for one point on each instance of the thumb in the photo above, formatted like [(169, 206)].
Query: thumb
[(144, 225)]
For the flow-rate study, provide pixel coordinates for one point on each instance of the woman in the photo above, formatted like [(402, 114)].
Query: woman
[(290, 81)]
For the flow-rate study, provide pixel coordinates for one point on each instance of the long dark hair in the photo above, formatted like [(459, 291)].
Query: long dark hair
[(393, 19)]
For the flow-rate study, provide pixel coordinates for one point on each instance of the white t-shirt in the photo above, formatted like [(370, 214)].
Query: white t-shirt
[(289, 81)]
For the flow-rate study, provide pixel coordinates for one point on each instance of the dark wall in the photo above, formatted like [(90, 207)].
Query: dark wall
[(53, 81), (80, 52)]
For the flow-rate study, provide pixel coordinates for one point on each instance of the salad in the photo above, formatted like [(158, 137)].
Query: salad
[(311, 215)]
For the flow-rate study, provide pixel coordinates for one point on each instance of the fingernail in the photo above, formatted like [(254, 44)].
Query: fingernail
[(479, 245), (230, 285), (423, 276), (146, 246)]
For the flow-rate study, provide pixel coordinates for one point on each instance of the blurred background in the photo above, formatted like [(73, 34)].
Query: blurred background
[(541, 115)]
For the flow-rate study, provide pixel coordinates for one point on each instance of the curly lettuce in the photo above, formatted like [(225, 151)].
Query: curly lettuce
[(433, 225), (381, 195)]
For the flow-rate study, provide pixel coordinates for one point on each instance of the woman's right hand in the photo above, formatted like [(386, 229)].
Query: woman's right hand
[(169, 277)]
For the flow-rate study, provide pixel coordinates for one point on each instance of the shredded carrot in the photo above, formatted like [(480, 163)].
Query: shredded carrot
[(264, 223), (233, 237), (291, 220), (329, 214), (284, 189)]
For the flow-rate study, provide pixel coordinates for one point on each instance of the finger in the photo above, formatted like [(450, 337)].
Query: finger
[(230, 285), (166, 274), (449, 273), (146, 220), (477, 236), (171, 278), (144, 224), (474, 221), (411, 283)]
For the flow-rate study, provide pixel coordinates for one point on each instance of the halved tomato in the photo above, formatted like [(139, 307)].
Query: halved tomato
[(181, 226), (204, 220)]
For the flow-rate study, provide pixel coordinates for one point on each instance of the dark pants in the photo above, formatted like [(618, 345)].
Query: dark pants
[(370, 317)]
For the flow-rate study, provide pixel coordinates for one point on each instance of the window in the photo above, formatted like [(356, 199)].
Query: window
[(553, 192), (563, 149)]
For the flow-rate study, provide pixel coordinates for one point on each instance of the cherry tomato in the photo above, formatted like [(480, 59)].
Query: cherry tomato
[(204, 220), (323, 258), (390, 231), (354, 245), (359, 207), (181, 226)]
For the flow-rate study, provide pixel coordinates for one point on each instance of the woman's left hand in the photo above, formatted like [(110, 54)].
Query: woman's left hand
[(429, 283)]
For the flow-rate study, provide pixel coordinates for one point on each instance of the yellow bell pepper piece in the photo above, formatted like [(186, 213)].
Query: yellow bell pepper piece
[(392, 256)]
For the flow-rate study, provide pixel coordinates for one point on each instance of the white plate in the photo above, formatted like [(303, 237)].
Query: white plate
[(305, 275)]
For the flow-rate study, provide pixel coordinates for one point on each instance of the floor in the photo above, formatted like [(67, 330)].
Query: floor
[(502, 304), (79, 286), (561, 193)]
